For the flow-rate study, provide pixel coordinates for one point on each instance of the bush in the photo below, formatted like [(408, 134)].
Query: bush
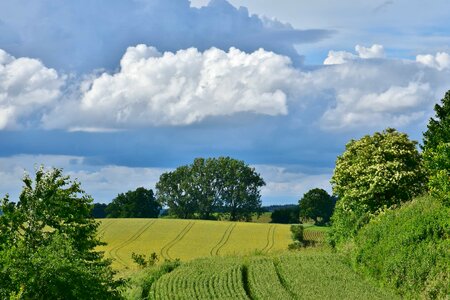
[(408, 249), (375, 172), (141, 282)]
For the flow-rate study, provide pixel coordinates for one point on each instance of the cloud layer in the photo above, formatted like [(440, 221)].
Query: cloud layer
[(182, 88), (27, 88), (360, 91), (85, 35)]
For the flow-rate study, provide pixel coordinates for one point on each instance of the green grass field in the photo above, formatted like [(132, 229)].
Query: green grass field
[(301, 275), (188, 239)]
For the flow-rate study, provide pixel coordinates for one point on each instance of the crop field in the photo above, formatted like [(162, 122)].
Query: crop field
[(306, 275), (187, 239)]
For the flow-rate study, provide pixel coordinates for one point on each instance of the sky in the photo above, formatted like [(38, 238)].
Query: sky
[(116, 92)]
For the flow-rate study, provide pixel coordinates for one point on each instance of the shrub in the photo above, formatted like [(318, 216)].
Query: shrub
[(378, 171), (408, 249)]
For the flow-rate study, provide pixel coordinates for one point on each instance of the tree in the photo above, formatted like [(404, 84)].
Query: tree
[(174, 190), (203, 186), (438, 129), (210, 185), (99, 210), (373, 173), (238, 188), (285, 215), (316, 205), (47, 243), (140, 203), (436, 146)]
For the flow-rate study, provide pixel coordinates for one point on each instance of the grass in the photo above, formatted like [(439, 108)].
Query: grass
[(187, 239), (309, 274)]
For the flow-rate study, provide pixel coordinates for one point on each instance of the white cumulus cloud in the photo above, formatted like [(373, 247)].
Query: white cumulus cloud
[(26, 87), (182, 88), (341, 57), (440, 61)]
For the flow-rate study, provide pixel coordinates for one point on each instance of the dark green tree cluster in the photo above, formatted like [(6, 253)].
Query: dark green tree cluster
[(211, 185), (285, 215), (140, 203), (436, 151), (316, 205), (47, 243)]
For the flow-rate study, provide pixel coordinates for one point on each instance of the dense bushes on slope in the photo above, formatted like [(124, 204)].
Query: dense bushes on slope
[(408, 249)]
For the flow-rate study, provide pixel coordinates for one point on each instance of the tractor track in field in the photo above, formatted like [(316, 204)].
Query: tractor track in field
[(281, 279), (113, 251), (224, 240), (105, 226), (165, 250), (270, 239)]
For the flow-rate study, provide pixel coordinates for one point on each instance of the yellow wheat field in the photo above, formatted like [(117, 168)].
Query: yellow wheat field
[(187, 239)]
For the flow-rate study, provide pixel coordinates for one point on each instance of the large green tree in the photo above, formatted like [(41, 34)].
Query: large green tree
[(438, 128), (436, 146), (174, 190), (373, 173), (316, 205), (208, 185), (140, 203), (47, 243), (239, 188)]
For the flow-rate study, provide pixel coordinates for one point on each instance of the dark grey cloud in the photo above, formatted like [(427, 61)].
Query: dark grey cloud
[(89, 34)]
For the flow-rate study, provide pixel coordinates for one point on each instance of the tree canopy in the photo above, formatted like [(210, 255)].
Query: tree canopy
[(374, 172), (140, 203), (211, 185), (48, 240), (316, 205), (287, 215), (436, 146), (438, 128)]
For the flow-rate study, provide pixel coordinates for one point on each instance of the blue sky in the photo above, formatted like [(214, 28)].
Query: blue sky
[(117, 92)]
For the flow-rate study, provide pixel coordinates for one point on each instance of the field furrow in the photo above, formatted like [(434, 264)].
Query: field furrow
[(263, 280), (113, 252), (227, 238), (224, 237), (166, 248)]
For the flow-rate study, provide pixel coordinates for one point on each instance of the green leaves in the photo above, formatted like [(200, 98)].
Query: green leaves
[(374, 172), (140, 203), (436, 147), (210, 185), (316, 205), (47, 242)]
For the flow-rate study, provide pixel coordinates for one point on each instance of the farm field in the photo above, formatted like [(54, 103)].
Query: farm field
[(305, 275), (189, 239)]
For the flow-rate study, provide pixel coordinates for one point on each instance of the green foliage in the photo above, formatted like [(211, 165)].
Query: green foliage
[(99, 210), (408, 249), (47, 242), (436, 153), (215, 184), (316, 205), (438, 129), (140, 203), (142, 261), (285, 215), (373, 173), (297, 233), (141, 282), (437, 162)]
